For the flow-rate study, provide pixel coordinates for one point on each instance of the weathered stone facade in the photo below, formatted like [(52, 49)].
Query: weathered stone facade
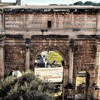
[(74, 32)]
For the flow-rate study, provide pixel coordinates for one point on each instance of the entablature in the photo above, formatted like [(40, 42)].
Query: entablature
[(51, 9)]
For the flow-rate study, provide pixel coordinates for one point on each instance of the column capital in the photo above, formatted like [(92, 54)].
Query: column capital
[(27, 43), (27, 46), (72, 45)]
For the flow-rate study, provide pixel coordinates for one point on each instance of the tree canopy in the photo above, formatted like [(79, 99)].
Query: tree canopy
[(87, 3), (27, 87), (78, 3), (54, 56)]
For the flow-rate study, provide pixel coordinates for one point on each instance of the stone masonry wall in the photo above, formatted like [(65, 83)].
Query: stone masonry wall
[(38, 21), (14, 56), (85, 58), (30, 24)]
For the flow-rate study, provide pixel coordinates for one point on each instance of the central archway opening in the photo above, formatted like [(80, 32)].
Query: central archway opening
[(49, 68)]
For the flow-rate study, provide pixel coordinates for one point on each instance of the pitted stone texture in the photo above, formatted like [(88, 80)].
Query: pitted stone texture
[(14, 56)]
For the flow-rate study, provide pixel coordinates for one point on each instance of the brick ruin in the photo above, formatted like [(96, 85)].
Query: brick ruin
[(74, 32)]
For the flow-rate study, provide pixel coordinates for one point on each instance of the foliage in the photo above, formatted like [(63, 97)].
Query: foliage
[(94, 4), (53, 4), (27, 87), (98, 4), (78, 3), (53, 56), (87, 3)]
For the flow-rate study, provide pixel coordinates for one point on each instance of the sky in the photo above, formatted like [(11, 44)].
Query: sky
[(47, 2)]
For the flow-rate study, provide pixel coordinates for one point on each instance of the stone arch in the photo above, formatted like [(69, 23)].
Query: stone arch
[(63, 50), (40, 48)]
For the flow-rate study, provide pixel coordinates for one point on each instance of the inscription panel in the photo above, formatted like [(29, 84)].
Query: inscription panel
[(80, 21), (22, 22), (39, 21)]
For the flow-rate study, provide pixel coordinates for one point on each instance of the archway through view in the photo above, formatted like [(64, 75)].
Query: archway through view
[(82, 84), (49, 68)]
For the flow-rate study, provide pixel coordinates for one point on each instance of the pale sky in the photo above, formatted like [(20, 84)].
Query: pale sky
[(47, 2)]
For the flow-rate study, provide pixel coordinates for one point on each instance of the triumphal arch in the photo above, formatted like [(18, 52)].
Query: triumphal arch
[(72, 31)]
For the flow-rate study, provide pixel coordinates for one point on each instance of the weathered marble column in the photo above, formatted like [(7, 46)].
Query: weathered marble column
[(98, 22), (1, 59), (71, 57), (98, 65), (27, 59), (27, 63), (71, 54)]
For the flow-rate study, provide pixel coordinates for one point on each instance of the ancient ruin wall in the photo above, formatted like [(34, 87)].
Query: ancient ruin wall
[(39, 21), (14, 55), (71, 24), (85, 58)]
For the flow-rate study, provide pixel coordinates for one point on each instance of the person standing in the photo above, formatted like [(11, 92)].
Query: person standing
[(16, 73), (62, 62)]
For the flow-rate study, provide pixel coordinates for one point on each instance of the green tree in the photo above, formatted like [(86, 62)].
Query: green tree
[(94, 4), (98, 4), (54, 56), (78, 3), (88, 3), (27, 87), (53, 5)]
